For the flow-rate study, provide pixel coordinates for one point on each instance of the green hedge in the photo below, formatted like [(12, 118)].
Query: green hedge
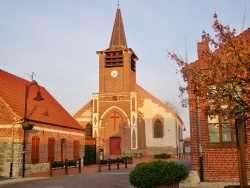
[(152, 174), (162, 156)]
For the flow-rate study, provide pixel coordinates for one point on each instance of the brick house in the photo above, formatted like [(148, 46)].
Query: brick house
[(124, 118), (55, 135), (213, 141)]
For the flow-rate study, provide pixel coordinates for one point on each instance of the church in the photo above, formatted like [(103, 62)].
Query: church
[(123, 118)]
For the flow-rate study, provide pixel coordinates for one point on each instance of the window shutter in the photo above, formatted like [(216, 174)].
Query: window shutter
[(76, 149), (35, 149)]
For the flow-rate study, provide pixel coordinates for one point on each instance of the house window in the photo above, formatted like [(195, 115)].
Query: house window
[(35, 149), (76, 149), (220, 130), (51, 149), (158, 129)]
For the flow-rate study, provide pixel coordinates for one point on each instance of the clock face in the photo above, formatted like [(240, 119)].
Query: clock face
[(114, 73)]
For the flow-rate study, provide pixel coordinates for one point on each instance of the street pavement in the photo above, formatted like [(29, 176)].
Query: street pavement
[(91, 178)]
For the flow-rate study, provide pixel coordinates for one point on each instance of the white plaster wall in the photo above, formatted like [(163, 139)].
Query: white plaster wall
[(149, 110)]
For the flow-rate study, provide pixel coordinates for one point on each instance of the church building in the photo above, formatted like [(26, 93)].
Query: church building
[(123, 118)]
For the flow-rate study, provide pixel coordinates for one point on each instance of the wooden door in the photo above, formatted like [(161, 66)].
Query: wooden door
[(115, 145)]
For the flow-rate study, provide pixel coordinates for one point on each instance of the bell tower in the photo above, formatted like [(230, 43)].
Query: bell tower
[(117, 64), (114, 108)]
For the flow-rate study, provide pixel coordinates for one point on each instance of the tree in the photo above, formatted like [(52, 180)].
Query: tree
[(220, 79)]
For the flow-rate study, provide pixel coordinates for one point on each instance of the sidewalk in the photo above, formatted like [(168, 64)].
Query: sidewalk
[(93, 169)]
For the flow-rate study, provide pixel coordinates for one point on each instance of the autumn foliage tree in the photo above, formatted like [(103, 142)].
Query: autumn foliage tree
[(220, 79), (223, 77)]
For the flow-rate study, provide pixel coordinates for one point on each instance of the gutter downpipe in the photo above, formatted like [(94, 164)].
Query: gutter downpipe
[(200, 141), (12, 147)]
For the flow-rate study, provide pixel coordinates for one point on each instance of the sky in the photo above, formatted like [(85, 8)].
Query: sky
[(58, 40)]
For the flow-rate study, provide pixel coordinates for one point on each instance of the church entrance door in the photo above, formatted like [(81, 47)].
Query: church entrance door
[(115, 145)]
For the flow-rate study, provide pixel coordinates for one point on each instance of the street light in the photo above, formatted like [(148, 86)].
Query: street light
[(37, 98)]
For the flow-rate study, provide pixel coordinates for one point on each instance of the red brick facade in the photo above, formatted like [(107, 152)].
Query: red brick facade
[(123, 115), (220, 161)]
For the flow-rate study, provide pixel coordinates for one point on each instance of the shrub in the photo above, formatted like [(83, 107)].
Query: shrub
[(162, 156), (152, 174)]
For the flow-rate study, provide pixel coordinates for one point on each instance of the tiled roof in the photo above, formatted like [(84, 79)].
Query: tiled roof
[(48, 111), (143, 94)]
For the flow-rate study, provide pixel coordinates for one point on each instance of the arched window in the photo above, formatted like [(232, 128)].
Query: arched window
[(158, 129), (51, 149), (35, 149), (88, 130)]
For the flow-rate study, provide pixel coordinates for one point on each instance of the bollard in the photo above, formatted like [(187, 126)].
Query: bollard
[(66, 167), (126, 160), (109, 164), (50, 168), (79, 166), (99, 165), (118, 163)]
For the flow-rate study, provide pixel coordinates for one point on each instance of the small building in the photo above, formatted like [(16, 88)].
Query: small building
[(123, 117), (55, 134)]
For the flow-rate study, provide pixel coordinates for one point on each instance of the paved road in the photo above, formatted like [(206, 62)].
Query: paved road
[(106, 179), (114, 178)]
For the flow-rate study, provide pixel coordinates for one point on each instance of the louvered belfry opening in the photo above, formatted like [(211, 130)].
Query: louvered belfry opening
[(114, 59)]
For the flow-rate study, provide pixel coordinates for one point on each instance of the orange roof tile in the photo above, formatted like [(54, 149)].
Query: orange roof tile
[(48, 111)]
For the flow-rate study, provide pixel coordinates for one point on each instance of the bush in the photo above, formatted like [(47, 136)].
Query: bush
[(152, 174), (162, 156)]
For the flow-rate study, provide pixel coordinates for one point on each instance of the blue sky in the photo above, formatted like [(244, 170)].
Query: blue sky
[(58, 40)]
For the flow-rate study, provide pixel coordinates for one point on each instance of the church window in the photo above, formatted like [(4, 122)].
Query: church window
[(88, 131), (76, 149), (35, 149), (158, 129), (51, 149)]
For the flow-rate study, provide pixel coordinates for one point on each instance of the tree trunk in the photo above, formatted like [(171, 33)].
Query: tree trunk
[(240, 135)]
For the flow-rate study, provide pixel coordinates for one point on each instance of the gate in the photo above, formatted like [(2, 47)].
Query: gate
[(90, 152)]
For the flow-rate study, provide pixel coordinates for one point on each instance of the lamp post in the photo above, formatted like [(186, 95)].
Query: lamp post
[(37, 98)]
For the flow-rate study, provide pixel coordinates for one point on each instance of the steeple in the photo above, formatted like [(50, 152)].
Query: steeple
[(118, 38)]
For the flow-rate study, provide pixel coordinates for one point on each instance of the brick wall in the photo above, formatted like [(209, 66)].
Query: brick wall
[(219, 160), (44, 132)]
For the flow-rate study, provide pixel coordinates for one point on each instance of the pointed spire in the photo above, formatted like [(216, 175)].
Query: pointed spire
[(118, 38)]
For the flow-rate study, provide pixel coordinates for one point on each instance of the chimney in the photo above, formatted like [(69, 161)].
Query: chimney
[(202, 48)]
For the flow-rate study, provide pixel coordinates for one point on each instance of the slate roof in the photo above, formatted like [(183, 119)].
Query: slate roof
[(48, 111)]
